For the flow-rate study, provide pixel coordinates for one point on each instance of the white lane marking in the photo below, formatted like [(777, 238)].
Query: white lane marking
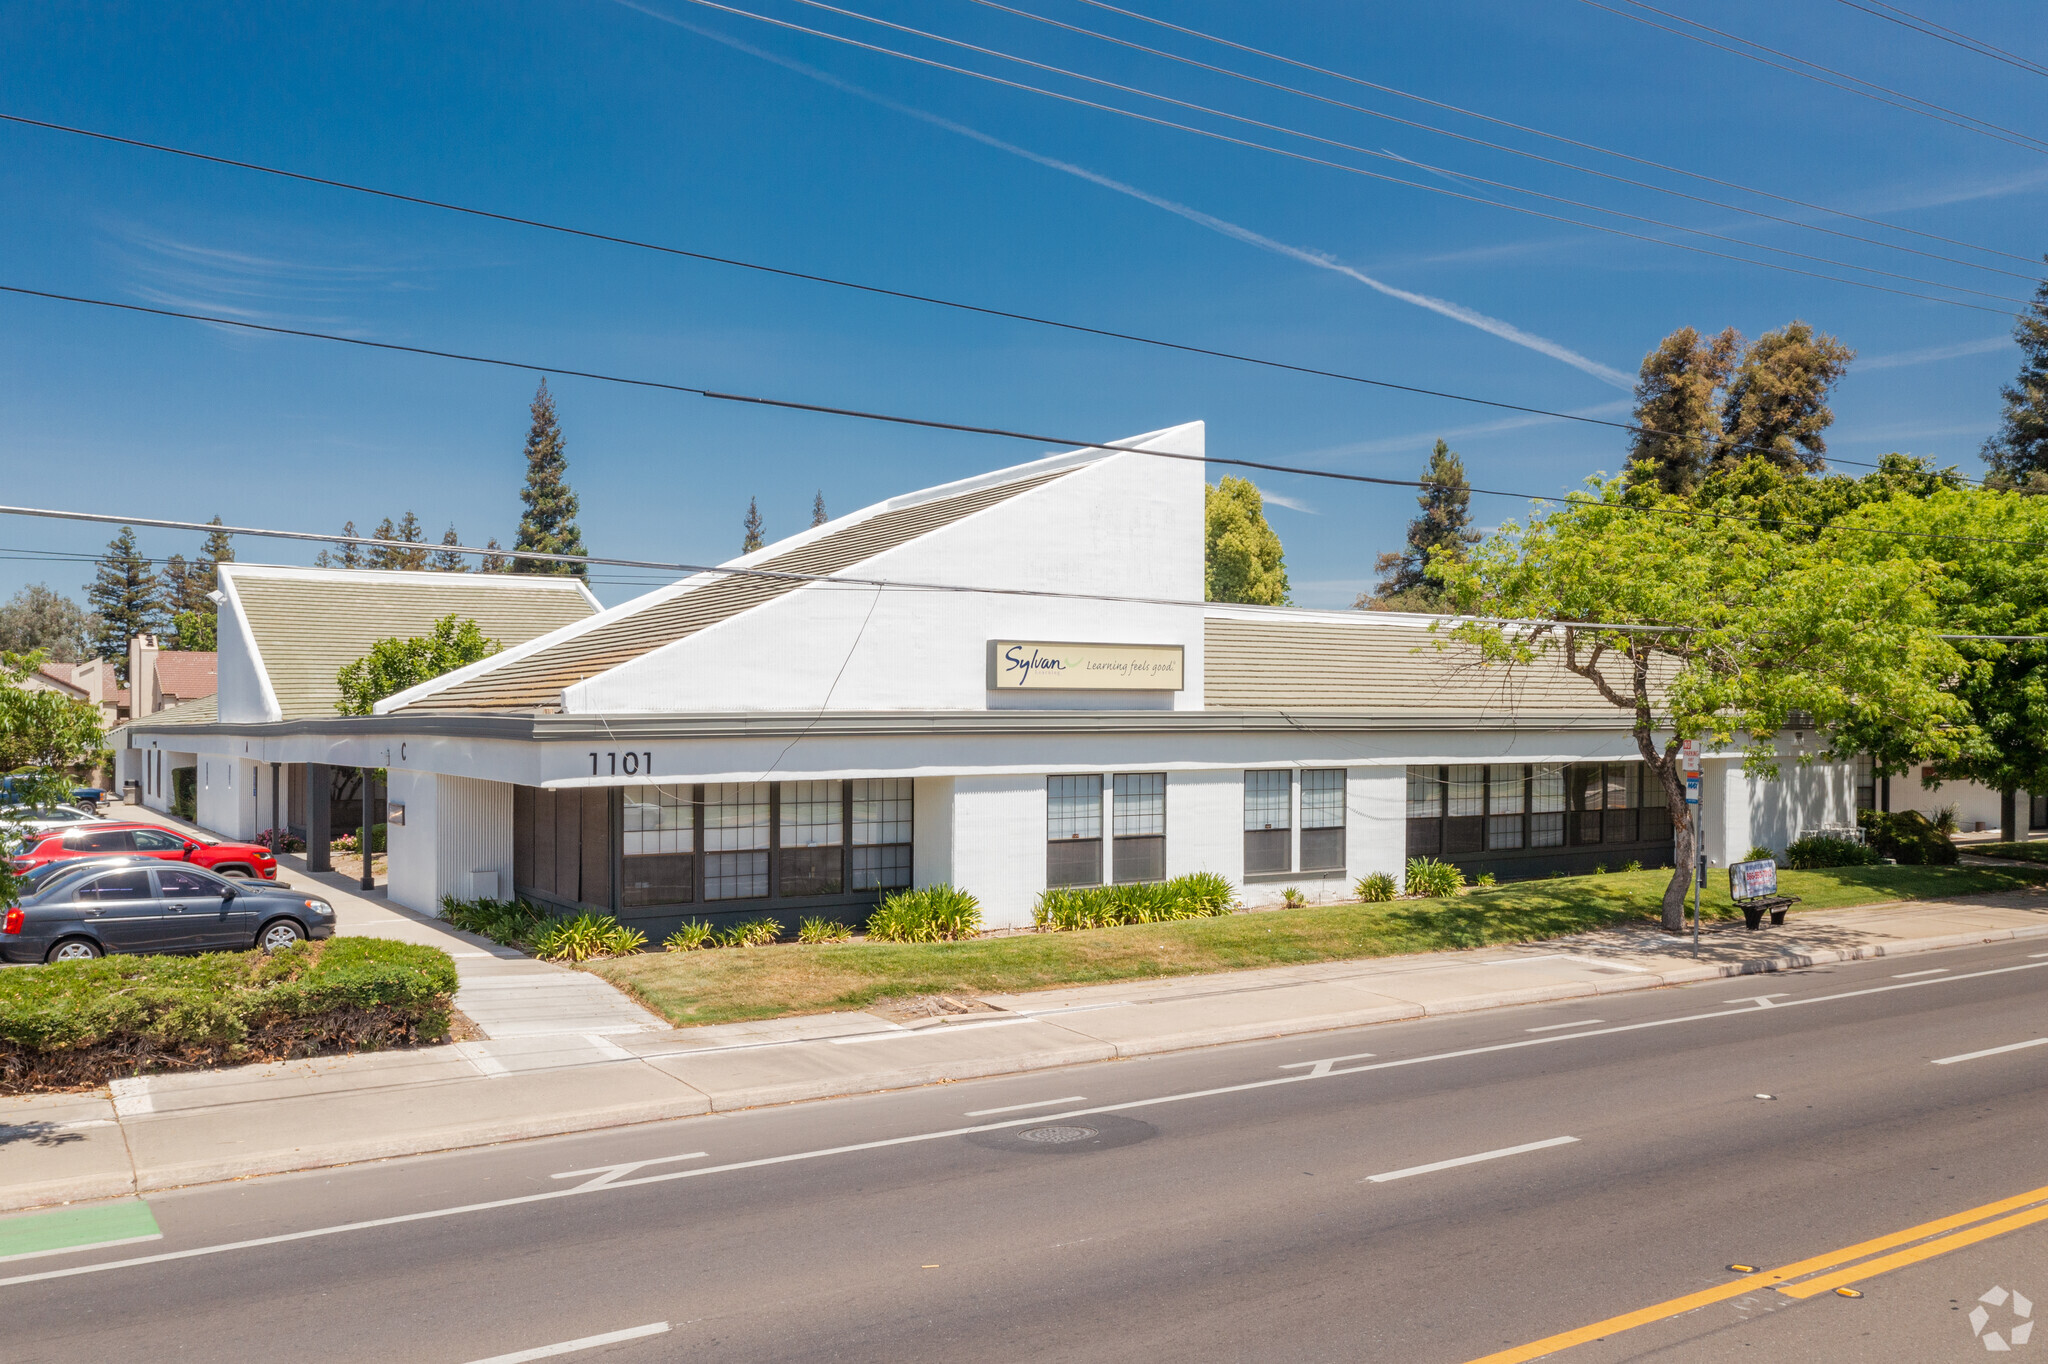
[(1761, 1001), (914, 1138), (1581, 1023), (569, 1347), (1992, 1051), (1908, 975), (606, 1047), (1318, 1069), (1434, 1166), (1019, 1108), (607, 1174), (2037, 954), (486, 1064), (70, 1250), (132, 1097), (926, 1032)]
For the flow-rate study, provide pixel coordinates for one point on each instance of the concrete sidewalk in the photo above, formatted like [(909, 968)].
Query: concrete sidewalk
[(162, 1131)]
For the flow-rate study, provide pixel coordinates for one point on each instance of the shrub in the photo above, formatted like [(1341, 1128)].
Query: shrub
[(1428, 878), (1198, 895), (1376, 889), (84, 1022), (1294, 898), (690, 937), (752, 933), (514, 923), (585, 937), (927, 914), (1599, 869), (822, 930), (1826, 850), (1907, 836), (1759, 853), (1633, 864), (281, 840), (185, 792), (1485, 878), (352, 841)]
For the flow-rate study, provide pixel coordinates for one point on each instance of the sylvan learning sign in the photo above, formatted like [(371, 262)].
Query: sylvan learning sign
[(1044, 666)]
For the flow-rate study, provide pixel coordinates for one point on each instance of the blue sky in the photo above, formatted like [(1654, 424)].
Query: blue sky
[(672, 121)]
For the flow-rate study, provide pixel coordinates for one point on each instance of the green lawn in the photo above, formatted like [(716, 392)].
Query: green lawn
[(731, 984), (2036, 851)]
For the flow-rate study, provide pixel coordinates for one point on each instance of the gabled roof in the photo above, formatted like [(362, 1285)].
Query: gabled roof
[(187, 673), (60, 674), (204, 711), (535, 678), (1378, 662), (306, 624)]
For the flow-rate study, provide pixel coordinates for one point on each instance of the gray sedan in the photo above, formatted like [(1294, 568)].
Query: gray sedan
[(159, 908)]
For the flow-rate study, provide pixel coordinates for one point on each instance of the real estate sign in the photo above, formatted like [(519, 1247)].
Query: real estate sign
[(1044, 665), (1749, 880)]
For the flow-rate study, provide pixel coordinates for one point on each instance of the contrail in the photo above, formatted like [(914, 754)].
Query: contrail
[(1457, 312)]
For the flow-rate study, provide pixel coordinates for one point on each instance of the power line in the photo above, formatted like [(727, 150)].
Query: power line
[(1495, 146), (809, 277), (1550, 136), (1948, 35), (1941, 113), (859, 414), (1379, 175)]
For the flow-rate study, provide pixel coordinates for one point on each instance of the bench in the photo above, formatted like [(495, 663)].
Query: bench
[(1753, 886)]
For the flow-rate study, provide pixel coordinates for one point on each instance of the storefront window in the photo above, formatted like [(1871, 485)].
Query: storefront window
[(736, 828), (1073, 831), (812, 829), (1546, 805), (1322, 819), (1268, 822), (659, 849), (883, 809), (1138, 822)]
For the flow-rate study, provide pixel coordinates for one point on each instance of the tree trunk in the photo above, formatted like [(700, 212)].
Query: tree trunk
[(1685, 853)]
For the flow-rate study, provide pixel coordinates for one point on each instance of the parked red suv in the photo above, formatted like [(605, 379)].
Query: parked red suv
[(107, 839)]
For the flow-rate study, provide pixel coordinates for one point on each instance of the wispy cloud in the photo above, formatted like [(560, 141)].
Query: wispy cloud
[(1422, 440), (1457, 312), (1964, 192), (1900, 359), (248, 285), (1291, 503)]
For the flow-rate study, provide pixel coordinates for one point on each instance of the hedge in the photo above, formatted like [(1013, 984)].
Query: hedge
[(70, 1024)]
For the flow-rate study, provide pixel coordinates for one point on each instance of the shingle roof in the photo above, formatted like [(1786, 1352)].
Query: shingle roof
[(204, 711), (537, 680), (310, 623), (187, 673), (60, 673), (1376, 663)]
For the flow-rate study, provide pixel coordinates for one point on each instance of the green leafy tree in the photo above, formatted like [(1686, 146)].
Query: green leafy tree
[(392, 665), (127, 598), (818, 517), (38, 619), (549, 523), (1677, 406), (1758, 626), (751, 528), (447, 559), (1409, 578), (198, 631), (2018, 452), (1776, 403), (1243, 558), (46, 738)]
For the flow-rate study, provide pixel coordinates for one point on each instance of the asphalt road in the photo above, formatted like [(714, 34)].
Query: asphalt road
[(1211, 1205)]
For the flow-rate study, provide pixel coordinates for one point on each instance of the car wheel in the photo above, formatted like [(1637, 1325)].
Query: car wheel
[(279, 935), (237, 870), (73, 949)]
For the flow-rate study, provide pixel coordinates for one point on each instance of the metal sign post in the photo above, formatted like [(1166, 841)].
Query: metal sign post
[(1689, 754)]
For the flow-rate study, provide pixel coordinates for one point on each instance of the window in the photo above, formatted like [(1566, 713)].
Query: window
[(104, 841), (1138, 820), (1465, 810), (883, 810), (1073, 831), (1425, 794), (174, 884), (117, 885), (1322, 819), (157, 841), (2037, 811), (658, 865), (1268, 822), (1866, 782), (1583, 792), (1620, 824), (811, 856), (736, 830), (1546, 805), (1504, 800)]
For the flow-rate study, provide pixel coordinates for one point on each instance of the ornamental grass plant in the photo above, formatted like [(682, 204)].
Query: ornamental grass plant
[(1197, 895), (1429, 879), (928, 914)]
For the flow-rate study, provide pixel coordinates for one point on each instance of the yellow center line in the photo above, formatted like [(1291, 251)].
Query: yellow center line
[(1770, 1278)]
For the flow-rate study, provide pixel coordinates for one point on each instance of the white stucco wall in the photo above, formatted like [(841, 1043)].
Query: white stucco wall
[(999, 845), (931, 832), (1376, 833), (454, 828), (244, 695), (1974, 804), (1743, 809)]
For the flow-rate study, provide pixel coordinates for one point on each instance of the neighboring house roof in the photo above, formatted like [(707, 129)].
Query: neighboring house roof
[(536, 680), (186, 674), (204, 711), (1378, 662), (308, 624), (60, 674)]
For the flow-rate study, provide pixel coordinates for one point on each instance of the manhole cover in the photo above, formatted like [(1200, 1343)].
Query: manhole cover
[(1101, 1132), (1057, 1134)]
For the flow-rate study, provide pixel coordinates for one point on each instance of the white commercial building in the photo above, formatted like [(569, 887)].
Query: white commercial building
[(1009, 682)]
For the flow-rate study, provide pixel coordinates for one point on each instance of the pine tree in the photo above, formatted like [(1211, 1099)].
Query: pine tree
[(1409, 580), (446, 560), (549, 524), (350, 555), (2018, 453), (1776, 405), (1676, 406), (126, 597), (818, 517), (1243, 557), (752, 527), (188, 591), (406, 531), (495, 560)]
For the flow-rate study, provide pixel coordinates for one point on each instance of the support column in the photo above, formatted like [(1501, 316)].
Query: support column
[(2008, 815), (277, 821), (1884, 794), (319, 817), (369, 814)]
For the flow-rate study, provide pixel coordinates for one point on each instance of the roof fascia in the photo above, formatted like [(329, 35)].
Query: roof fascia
[(224, 576)]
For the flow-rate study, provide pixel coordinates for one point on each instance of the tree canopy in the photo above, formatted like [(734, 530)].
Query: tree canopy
[(2018, 451), (549, 523), (392, 665), (1409, 580), (126, 597), (39, 619), (1245, 562)]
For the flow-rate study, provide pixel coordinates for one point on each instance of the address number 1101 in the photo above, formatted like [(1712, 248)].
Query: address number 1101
[(614, 764)]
